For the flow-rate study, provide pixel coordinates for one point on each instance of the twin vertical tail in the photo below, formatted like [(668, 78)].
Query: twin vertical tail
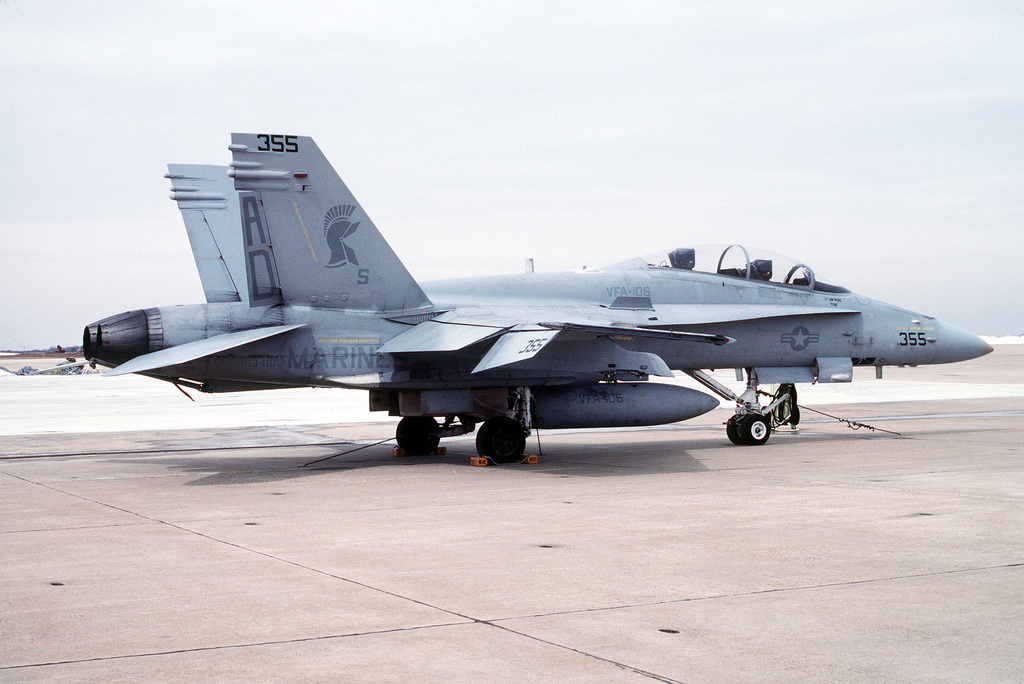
[(209, 208), (306, 239)]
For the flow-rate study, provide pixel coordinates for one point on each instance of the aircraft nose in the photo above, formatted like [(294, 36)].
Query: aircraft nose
[(956, 344)]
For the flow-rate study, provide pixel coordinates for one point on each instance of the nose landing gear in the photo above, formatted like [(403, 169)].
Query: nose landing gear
[(753, 423)]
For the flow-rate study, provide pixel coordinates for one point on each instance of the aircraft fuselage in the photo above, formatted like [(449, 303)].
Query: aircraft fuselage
[(341, 348)]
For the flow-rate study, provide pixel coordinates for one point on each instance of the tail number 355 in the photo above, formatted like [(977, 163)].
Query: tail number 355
[(277, 143), (912, 339)]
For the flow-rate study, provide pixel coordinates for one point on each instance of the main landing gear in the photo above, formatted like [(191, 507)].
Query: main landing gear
[(753, 423), (501, 438), (420, 435)]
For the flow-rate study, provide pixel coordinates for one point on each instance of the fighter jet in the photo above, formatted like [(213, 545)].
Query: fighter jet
[(303, 291)]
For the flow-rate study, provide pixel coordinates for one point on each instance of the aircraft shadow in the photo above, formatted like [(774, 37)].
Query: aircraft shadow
[(243, 465)]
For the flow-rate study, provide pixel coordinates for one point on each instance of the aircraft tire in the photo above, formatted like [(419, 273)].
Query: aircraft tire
[(417, 435), (501, 439), (754, 430), (732, 431)]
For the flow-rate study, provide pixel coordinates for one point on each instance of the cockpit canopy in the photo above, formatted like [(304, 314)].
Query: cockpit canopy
[(735, 261)]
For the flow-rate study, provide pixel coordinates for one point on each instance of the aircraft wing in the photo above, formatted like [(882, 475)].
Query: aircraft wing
[(442, 335), (190, 351), (519, 334), (517, 339), (523, 342), (519, 344)]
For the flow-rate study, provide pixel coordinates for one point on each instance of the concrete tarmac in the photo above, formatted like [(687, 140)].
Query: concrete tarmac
[(661, 554)]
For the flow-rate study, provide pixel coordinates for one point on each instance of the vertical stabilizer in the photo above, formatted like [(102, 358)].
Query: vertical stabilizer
[(327, 251), (208, 203)]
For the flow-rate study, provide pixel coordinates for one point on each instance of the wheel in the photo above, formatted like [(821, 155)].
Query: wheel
[(754, 430), (501, 439), (417, 435), (732, 430)]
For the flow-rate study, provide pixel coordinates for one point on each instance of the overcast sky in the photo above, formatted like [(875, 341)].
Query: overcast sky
[(880, 142)]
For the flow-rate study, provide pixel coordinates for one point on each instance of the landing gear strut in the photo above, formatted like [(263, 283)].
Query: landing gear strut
[(752, 424), (501, 439)]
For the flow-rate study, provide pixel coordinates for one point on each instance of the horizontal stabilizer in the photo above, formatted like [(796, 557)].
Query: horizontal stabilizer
[(438, 336), (191, 351)]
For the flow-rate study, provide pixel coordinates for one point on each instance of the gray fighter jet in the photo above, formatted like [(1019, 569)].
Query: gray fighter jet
[(303, 291)]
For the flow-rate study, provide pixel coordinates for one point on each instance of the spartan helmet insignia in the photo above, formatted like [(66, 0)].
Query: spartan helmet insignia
[(338, 225)]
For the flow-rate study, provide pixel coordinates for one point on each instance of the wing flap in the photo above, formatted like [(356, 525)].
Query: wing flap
[(191, 351), (439, 336), (597, 354), (516, 346)]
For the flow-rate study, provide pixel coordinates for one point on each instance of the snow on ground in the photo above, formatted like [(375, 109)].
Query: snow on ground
[(94, 403)]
